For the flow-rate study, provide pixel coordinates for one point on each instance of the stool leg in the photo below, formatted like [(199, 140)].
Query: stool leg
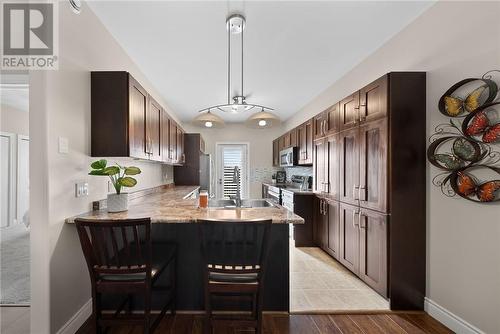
[(147, 312)]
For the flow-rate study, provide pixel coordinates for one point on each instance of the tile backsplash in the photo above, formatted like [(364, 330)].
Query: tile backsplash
[(303, 171), (262, 174)]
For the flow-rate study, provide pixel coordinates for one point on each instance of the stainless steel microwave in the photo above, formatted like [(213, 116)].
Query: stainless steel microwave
[(289, 157)]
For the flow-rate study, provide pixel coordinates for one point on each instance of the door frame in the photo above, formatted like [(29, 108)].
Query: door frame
[(19, 139), (218, 189), (12, 177)]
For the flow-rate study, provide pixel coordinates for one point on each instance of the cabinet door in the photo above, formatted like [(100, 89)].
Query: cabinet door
[(180, 146), (165, 137), (293, 138), (138, 106), (349, 112), (320, 234), (349, 166), (282, 142), (301, 141), (319, 126), (332, 181), (288, 141), (373, 101), (308, 156), (173, 141), (373, 165), (373, 250), (320, 165), (153, 130), (333, 229), (332, 119), (276, 153), (349, 237)]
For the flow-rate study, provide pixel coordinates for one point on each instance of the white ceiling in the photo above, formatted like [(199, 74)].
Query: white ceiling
[(293, 49)]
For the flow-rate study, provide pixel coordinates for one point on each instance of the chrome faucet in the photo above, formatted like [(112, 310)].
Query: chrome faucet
[(236, 179)]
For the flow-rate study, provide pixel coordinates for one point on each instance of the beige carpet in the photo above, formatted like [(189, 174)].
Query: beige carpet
[(15, 265), (318, 283)]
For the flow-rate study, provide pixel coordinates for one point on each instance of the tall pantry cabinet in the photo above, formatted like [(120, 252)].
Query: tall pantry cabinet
[(369, 172)]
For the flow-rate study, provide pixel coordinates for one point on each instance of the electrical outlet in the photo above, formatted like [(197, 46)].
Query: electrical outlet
[(81, 189)]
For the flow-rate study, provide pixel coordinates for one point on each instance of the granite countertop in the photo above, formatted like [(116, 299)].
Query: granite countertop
[(172, 206)]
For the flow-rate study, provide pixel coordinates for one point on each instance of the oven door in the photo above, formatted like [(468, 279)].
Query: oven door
[(273, 196)]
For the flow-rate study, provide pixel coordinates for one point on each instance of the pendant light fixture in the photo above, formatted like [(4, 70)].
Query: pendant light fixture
[(262, 120), (208, 120), (235, 25)]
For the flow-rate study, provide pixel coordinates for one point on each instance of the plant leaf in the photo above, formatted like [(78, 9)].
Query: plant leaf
[(132, 170), (99, 164), (449, 161), (98, 172), (112, 170), (463, 149), (127, 181)]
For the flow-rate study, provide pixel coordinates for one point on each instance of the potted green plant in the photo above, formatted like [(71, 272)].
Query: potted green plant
[(120, 177)]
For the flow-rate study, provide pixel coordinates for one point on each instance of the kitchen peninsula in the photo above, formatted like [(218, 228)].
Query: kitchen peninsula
[(174, 212)]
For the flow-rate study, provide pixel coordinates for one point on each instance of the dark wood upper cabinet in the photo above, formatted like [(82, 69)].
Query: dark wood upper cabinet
[(320, 165), (138, 110), (332, 119), (189, 173), (276, 152), (319, 124), (125, 120), (172, 143), (153, 130), (305, 143), (373, 249), (373, 165), (181, 158), (287, 140), (294, 138), (349, 237), (349, 166), (282, 142), (373, 100), (349, 112), (332, 181)]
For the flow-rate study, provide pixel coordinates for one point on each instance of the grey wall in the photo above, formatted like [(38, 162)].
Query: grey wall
[(451, 41), (61, 108)]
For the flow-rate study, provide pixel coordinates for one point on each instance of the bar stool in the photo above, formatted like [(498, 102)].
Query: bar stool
[(120, 260), (234, 256)]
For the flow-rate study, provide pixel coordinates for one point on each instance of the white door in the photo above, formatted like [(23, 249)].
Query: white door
[(230, 156), (7, 203), (23, 178)]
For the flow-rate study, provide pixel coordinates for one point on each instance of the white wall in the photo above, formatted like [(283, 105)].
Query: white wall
[(61, 108), (14, 120), (260, 143), (451, 41)]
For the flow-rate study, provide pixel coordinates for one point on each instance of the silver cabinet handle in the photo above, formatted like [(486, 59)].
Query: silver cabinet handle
[(362, 191), (361, 221), (354, 224), (354, 192), (325, 126), (325, 210), (320, 206)]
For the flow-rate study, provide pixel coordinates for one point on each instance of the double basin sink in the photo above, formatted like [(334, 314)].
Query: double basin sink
[(245, 203)]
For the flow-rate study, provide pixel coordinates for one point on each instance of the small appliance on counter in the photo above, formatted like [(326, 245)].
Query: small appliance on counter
[(281, 176)]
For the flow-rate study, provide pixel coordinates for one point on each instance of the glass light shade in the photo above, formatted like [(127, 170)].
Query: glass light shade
[(208, 120), (262, 120)]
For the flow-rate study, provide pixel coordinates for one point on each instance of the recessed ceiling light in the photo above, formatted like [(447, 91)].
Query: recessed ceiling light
[(262, 122), (76, 6), (209, 124)]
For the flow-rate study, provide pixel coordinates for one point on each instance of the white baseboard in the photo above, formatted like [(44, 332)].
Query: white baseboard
[(450, 320), (77, 320)]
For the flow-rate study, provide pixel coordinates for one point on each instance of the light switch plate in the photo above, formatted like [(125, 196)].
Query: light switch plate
[(81, 189), (63, 145)]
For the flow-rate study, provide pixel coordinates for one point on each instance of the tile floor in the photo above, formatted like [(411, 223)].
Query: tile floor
[(318, 283), (14, 319)]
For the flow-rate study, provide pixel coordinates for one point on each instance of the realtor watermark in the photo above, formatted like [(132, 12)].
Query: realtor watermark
[(30, 39)]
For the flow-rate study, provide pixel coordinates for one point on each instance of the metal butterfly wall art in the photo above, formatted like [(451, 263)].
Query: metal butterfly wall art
[(464, 148)]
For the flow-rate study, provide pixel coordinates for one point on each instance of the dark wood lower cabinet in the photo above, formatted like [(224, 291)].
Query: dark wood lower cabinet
[(356, 237), (349, 237), (373, 249)]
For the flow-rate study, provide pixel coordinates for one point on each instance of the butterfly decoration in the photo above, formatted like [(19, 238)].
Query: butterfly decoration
[(479, 124), (453, 105), (462, 149), (466, 185)]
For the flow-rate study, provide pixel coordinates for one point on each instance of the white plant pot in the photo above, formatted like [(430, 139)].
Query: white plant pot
[(117, 202)]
